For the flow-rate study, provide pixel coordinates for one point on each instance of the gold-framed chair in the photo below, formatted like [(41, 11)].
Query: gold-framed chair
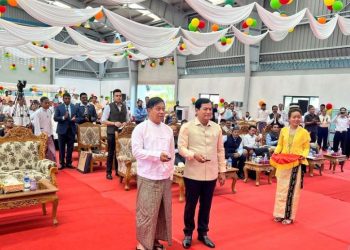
[(23, 152), (90, 139), (127, 165)]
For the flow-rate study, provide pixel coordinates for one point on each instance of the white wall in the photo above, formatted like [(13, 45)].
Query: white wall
[(109, 85), (78, 85)]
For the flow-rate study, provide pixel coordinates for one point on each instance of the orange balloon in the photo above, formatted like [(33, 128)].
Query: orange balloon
[(12, 3), (322, 20), (215, 27), (99, 15)]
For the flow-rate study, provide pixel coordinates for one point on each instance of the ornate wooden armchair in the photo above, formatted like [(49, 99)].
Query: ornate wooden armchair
[(89, 138), (22, 152), (127, 165)]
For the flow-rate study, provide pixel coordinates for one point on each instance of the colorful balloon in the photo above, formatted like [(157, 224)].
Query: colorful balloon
[(330, 7), (275, 4), (244, 25), (328, 2), (191, 27), (195, 22), (99, 15), (201, 24), (229, 2), (338, 6), (322, 20), (214, 27), (12, 3), (249, 21), (2, 9), (283, 2), (254, 23)]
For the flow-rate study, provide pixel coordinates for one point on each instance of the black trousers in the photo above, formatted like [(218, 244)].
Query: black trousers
[(339, 138), (202, 191), (347, 143), (313, 136), (239, 163), (322, 137), (111, 154), (66, 141)]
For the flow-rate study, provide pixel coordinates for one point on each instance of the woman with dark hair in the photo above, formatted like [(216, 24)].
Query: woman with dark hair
[(290, 154)]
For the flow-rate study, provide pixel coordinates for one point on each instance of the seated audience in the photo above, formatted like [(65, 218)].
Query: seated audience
[(227, 128), (234, 149), (247, 117), (262, 117), (9, 124), (140, 112), (272, 137), (275, 117), (251, 142)]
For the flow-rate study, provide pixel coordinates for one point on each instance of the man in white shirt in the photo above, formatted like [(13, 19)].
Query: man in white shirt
[(251, 142), (322, 136), (20, 113), (275, 117), (341, 126), (284, 114), (42, 122), (154, 149), (262, 117)]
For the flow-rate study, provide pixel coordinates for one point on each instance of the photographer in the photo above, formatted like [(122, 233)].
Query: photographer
[(86, 111), (20, 113), (341, 122)]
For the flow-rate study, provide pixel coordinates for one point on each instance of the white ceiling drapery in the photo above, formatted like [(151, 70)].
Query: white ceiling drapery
[(221, 15), (30, 33), (160, 51), (204, 39), (322, 31), (191, 49), (138, 33), (8, 40), (68, 49), (55, 15), (344, 25), (224, 48), (278, 35), (248, 39)]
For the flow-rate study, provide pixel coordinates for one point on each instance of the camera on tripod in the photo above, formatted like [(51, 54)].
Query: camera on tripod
[(20, 86)]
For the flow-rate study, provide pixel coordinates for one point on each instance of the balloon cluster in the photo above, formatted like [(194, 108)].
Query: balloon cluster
[(7, 55), (31, 67), (182, 46), (193, 100), (221, 102), (3, 3), (276, 4), (161, 61), (43, 69), (13, 66), (153, 64), (33, 89), (329, 108), (334, 5), (45, 46), (196, 24), (225, 40), (249, 22)]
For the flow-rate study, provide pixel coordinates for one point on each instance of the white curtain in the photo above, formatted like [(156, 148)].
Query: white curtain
[(7, 40), (224, 48), (221, 15), (98, 59), (344, 25), (277, 22), (64, 48), (42, 52), (160, 51), (204, 39), (278, 35), (30, 33), (18, 53), (92, 45), (322, 31), (248, 39), (55, 15), (118, 1), (115, 59), (138, 33), (137, 57), (191, 49)]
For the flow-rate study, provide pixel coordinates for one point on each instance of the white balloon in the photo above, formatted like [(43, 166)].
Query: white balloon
[(276, 13), (228, 6)]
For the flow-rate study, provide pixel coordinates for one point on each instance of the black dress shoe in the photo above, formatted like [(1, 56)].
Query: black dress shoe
[(69, 166), (109, 177), (61, 167), (205, 239), (187, 242)]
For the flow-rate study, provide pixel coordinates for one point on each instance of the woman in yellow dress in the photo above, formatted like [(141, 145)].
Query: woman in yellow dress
[(294, 144)]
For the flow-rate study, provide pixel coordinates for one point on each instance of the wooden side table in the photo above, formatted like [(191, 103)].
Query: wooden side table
[(258, 168), (231, 173), (179, 179), (46, 193), (334, 160), (313, 161)]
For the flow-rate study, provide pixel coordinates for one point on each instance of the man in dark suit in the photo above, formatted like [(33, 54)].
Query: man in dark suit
[(65, 115), (86, 112)]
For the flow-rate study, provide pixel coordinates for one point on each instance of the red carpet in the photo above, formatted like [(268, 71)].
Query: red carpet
[(98, 214)]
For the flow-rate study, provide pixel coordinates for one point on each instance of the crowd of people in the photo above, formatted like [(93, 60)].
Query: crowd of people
[(202, 145)]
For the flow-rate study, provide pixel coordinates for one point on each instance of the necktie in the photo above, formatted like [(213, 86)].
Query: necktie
[(86, 110), (67, 111)]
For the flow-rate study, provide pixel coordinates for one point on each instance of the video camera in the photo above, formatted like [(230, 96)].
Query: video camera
[(20, 86)]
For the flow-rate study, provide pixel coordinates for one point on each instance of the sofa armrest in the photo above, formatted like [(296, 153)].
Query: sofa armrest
[(47, 167)]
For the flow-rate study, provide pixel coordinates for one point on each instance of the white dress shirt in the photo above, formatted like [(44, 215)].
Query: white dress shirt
[(274, 120), (262, 115), (7, 110), (341, 123), (107, 112), (249, 141), (149, 140), (21, 116), (325, 121), (42, 122)]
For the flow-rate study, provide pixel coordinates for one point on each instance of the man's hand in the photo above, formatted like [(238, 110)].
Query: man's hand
[(164, 157), (222, 178), (200, 158), (235, 155), (258, 138), (66, 115), (73, 119), (117, 124), (86, 118)]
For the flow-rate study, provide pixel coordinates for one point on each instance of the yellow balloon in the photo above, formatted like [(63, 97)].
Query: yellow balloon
[(195, 22), (291, 30), (229, 40), (130, 45), (329, 2), (249, 21), (290, 1), (183, 46)]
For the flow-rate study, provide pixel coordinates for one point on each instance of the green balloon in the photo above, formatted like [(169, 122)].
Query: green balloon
[(92, 19), (254, 23), (275, 4), (337, 5), (230, 2), (191, 27), (223, 39), (3, 2)]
